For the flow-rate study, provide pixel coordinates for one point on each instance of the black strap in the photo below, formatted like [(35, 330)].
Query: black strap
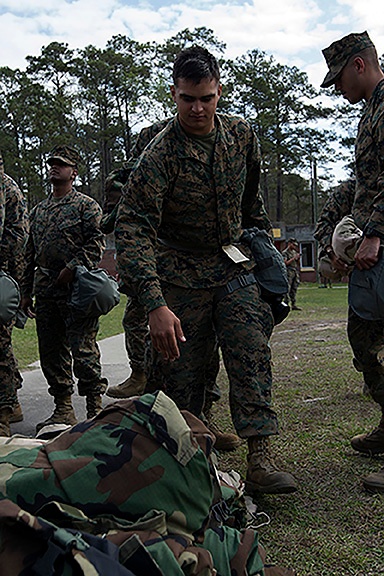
[(233, 285)]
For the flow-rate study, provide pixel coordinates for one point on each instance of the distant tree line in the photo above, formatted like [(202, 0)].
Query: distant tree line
[(99, 98)]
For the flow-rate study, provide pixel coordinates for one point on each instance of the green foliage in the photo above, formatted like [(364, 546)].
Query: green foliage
[(281, 105)]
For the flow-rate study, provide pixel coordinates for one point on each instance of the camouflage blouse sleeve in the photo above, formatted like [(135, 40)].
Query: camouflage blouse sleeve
[(16, 228), (376, 220), (253, 210), (368, 208), (136, 228), (90, 252)]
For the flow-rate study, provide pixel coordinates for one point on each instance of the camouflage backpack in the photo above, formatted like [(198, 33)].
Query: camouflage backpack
[(34, 546)]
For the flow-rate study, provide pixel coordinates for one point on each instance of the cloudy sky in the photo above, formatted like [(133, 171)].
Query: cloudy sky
[(293, 31)]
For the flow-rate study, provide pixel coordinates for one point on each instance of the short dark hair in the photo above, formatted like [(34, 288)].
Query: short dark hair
[(195, 63)]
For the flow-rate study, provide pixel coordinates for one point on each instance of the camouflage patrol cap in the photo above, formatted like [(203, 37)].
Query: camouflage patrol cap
[(66, 154), (339, 52)]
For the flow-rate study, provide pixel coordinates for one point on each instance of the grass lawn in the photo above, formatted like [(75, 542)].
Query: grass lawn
[(331, 526)]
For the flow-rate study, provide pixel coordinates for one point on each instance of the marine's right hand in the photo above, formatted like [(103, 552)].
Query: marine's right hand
[(165, 330)]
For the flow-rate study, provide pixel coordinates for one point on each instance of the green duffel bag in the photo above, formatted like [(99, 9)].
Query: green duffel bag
[(9, 297)]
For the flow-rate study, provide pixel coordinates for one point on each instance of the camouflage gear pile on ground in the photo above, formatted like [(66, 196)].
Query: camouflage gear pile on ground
[(137, 474), (64, 232), (195, 204), (12, 246)]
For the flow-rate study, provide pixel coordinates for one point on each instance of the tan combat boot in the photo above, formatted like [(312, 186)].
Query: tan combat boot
[(224, 441), (93, 404), (132, 386), (371, 443), (5, 429), (17, 414), (374, 482), (263, 474), (62, 414)]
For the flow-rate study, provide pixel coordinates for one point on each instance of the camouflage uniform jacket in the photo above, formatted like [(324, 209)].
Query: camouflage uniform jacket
[(177, 194), (368, 206), (63, 233), (337, 205), (15, 232)]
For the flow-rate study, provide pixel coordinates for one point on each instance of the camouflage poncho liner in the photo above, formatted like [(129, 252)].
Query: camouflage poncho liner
[(114, 464), (137, 474)]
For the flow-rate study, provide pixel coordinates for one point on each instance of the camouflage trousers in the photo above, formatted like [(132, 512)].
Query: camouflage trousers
[(10, 377), (138, 347), (367, 339), (241, 323), (293, 283), (135, 324), (63, 340)]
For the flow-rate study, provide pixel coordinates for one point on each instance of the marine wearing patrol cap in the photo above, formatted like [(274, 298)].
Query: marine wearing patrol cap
[(66, 154), (340, 51)]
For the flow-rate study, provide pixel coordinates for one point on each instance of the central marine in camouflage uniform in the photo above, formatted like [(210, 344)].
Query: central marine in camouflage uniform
[(12, 245), (65, 232), (189, 197), (135, 319), (355, 71)]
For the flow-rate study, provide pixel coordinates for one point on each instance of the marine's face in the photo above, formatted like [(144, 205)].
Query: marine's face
[(59, 172), (348, 83), (196, 104)]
